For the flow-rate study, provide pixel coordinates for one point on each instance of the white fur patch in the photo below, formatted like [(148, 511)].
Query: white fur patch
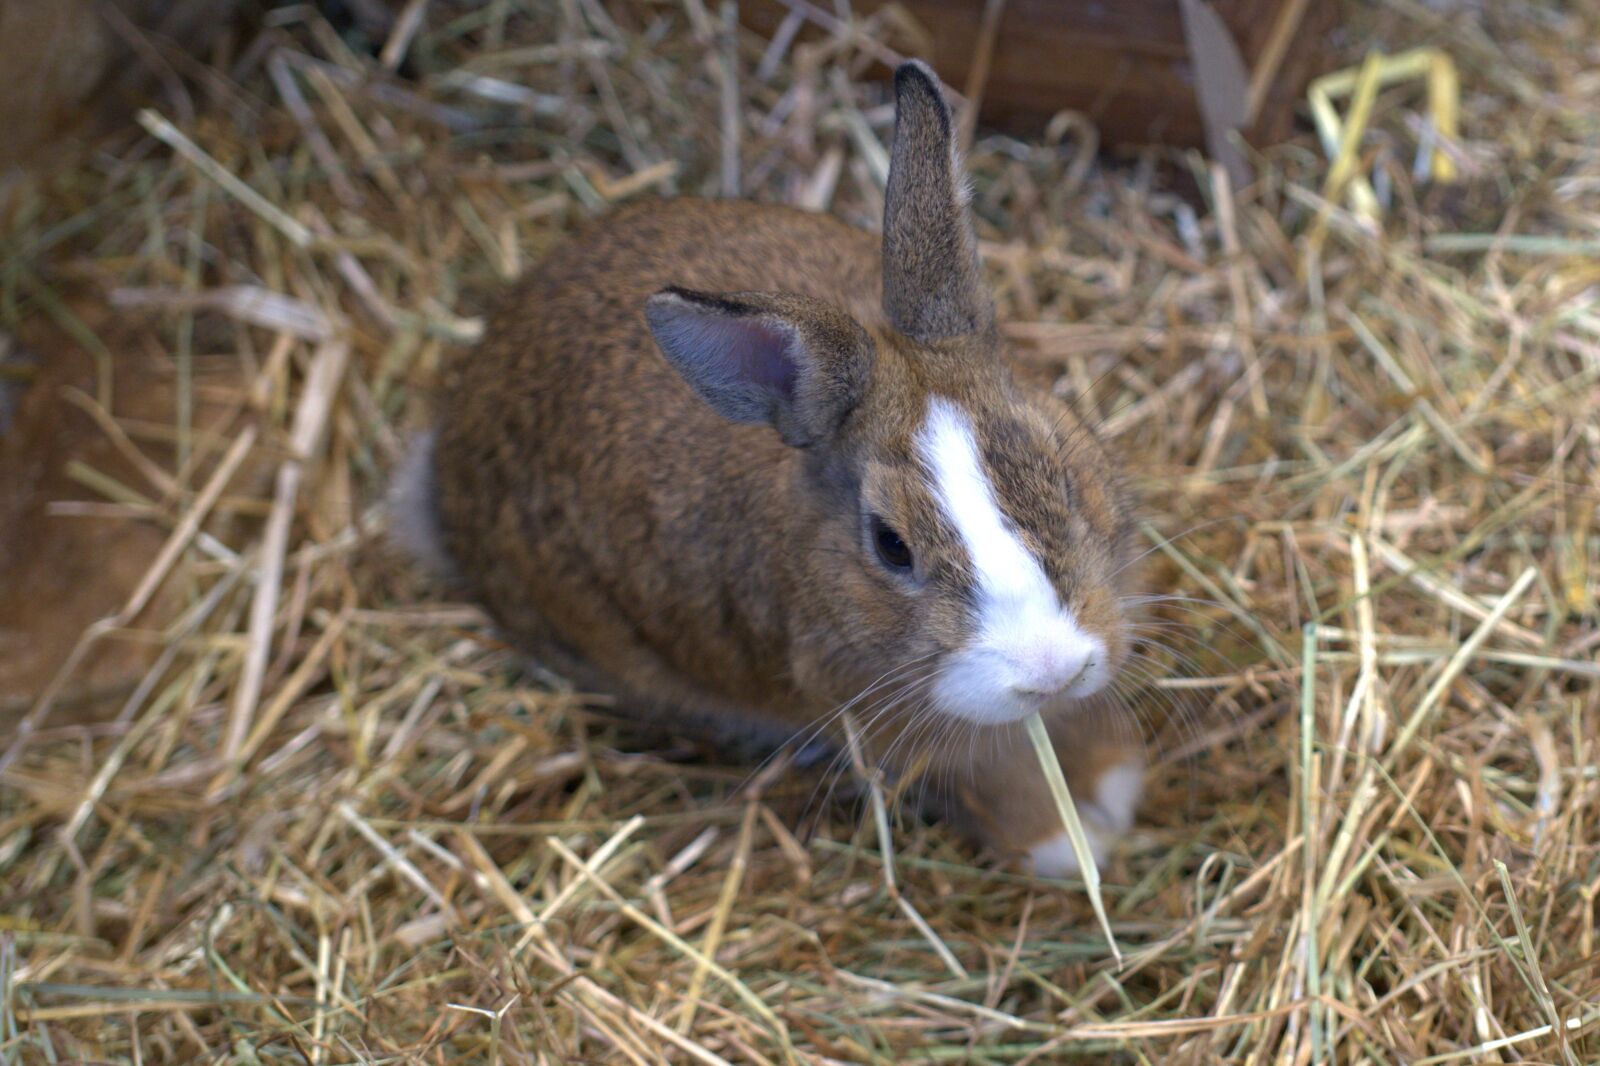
[(413, 508), (1116, 797), (1027, 649), (1055, 857)]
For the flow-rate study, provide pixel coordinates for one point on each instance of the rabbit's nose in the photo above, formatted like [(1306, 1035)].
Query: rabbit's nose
[(1052, 668)]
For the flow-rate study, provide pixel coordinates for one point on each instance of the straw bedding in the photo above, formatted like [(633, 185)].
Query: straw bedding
[(337, 821)]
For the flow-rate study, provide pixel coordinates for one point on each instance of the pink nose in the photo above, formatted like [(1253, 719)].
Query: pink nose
[(1054, 668)]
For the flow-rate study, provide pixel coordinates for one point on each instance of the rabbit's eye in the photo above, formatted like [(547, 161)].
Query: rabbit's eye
[(891, 548)]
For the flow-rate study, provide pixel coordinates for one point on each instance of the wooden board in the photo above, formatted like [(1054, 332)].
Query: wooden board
[(1124, 62), (64, 64)]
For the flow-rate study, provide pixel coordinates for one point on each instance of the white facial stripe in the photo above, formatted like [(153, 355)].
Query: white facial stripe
[(1027, 647), (1005, 569), (1008, 574)]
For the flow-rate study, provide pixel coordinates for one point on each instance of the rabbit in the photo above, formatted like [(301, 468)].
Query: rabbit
[(754, 467)]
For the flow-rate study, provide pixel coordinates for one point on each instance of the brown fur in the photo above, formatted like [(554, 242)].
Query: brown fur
[(608, 516)]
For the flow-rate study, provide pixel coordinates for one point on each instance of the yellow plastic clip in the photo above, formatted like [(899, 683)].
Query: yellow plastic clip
[(1341, 137)]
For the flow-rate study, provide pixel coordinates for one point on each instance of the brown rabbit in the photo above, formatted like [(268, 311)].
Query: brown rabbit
[(735, 460)]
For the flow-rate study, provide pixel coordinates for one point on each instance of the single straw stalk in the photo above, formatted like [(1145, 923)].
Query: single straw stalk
[(1046, 750)]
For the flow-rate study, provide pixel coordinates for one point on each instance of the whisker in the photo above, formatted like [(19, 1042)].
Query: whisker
[(1158, 545)]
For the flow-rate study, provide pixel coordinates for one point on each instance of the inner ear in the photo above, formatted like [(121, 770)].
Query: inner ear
[(932, 281), (765, 356), (788, 361)]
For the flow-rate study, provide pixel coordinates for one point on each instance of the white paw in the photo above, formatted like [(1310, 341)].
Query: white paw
[(1116, 796), (1055, 857), (1110, 815)]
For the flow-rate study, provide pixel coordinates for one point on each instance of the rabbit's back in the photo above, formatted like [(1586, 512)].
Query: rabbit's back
[(566, 446), (720, 246)]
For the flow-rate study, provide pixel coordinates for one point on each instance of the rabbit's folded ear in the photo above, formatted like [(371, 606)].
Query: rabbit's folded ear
[(791, 362), (932, 283)]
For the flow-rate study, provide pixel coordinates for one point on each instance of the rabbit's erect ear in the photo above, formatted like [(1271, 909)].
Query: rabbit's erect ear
[(932, 284), (791, 362)]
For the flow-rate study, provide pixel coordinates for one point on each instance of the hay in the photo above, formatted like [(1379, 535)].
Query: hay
[(1088, 866), (337, 822)]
